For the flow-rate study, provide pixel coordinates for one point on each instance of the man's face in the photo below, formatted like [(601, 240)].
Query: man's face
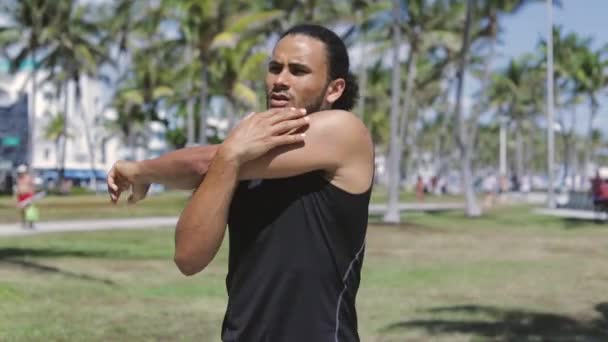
[(297, 74)]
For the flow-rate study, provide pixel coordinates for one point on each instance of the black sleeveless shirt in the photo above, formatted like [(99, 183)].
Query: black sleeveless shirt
[(296, 250)]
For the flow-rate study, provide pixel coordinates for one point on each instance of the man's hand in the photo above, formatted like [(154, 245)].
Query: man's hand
[(123, 176), (258, 133)]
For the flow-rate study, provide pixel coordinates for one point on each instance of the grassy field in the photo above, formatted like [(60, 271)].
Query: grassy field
[(89, 206), (96, 206), (511, 276)]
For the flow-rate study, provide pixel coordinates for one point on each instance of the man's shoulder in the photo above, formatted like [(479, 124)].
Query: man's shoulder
[(340, 123)]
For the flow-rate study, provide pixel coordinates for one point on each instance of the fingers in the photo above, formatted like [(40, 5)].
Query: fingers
[(280, 140), (112, 187), (289, 126), (139, 192)]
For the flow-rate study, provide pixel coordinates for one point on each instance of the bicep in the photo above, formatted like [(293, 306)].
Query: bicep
[(290, 160), (333, 140)]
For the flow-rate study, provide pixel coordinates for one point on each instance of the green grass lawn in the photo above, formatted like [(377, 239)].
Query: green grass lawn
[(510, 276), (97, 206), (89, 206)]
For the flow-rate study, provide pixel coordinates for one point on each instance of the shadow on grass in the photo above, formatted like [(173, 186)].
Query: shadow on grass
[(575, 224), (512, 325), (15, 252), (16, 257)]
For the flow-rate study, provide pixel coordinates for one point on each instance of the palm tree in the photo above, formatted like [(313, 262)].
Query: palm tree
[(463, 140), (393, 214), (55, 131), (515, 91), (236, 69), (591, 79), (568, 93), (26, 31), (76, 48), (211, 24), (427, 26)]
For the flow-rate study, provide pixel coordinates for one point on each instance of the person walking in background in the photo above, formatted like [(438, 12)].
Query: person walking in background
[(24, 193), (420, 189)]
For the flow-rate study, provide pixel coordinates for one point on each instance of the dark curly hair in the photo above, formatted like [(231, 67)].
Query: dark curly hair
[(338, 62)]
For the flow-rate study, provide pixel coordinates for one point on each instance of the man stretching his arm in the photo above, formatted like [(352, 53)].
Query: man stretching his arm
[(297, 237)]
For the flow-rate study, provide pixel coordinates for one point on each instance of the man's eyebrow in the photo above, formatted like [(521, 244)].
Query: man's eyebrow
[(292, 65), (300, 66)]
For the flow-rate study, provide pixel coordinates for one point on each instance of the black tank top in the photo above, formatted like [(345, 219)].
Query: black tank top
[(296, 250)]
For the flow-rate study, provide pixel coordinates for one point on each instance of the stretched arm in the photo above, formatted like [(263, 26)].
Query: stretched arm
[(335, 138), (180, 169)]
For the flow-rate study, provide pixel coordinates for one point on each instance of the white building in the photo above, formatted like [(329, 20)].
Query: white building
[(85, 120)]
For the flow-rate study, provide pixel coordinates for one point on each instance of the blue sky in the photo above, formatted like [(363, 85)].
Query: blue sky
[(588, 18)]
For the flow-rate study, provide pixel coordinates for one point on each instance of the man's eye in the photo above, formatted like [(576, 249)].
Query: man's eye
[(275, 69), (298, 71)]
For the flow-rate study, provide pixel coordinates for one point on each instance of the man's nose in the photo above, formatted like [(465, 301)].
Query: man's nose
[(282, 80)]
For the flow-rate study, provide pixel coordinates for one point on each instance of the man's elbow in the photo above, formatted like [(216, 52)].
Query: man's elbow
[(188, 265)]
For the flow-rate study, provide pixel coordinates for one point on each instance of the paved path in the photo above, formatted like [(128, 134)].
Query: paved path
[(376, 209), (148, 222), (88, 225), (573, 214)]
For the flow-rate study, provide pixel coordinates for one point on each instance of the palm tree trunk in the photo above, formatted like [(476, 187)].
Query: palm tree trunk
[(362, 81), (465, 143), (190, 129), (203, 103), (589, 141), (407, 96), (519, 150), (502, 166), (87, 134), (442, 153), (362, 91), (551, 96), (64, 134), (392, 214), (32, 118)]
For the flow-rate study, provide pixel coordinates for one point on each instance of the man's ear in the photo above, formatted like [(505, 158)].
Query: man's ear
[(335, 90)]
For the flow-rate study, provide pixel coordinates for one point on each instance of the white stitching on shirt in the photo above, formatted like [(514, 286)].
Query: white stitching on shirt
[(350, 267)]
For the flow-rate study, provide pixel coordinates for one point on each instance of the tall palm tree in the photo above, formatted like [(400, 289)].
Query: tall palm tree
[(236, 69), (568, 93), (426, 25), (591, 79), (463, 140), (26, 32), (214, 23), (76, 48), (515, 91), (393, 214)]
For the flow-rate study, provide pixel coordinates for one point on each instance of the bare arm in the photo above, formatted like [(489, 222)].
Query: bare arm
[(202, 224), (199, 233), (337, 142), (181, 169)]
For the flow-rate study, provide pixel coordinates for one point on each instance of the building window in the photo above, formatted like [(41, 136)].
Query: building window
[(47, 153)]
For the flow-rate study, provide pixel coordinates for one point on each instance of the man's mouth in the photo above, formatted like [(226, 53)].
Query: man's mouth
[(279, 100)]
